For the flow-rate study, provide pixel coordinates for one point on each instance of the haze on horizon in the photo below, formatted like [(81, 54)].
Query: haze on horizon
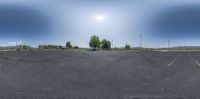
[(35, 22)]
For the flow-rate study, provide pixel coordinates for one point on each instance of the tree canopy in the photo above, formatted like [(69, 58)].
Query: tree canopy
[(95, 42), (68, 45), (105, 44)]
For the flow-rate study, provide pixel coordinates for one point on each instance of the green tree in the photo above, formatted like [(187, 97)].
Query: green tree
[(68, 45), (105, 44), (95, 42), (127, 46)]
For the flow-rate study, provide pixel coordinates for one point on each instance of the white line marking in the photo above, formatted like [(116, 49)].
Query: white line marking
[(195, 60), (173, 61)]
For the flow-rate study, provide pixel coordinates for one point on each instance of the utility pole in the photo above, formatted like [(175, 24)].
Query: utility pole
[(112, 44), (146, 44), (132, 44), (141, 40)]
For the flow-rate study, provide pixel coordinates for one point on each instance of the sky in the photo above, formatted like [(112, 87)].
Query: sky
[(35, 22)]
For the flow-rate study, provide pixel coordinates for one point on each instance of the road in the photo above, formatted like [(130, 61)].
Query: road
[(99, 75)]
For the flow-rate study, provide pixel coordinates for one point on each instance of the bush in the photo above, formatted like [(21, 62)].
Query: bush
[(61, 47), (26, 47), (127, 46), (95, 42), (68, 45), (50, 46), (105, 44), (76, 47)]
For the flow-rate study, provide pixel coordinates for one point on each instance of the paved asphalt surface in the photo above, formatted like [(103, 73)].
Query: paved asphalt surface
[(99, 75)]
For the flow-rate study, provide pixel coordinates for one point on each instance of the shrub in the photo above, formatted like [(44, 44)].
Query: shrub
[(50, 46), (127, 46), (76, 47), (26, 47)]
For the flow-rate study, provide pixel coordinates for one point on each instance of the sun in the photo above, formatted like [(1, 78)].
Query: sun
[(100, 18)]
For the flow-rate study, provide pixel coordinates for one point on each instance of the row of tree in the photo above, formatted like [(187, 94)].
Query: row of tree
[(96, 43), (69, 46), (50, 46), (24, 47), (104, 44)]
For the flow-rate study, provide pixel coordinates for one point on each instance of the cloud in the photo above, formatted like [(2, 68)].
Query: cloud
[(11, 43)]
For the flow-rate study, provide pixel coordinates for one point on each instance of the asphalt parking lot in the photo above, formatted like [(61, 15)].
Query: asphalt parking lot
[(99, 75)]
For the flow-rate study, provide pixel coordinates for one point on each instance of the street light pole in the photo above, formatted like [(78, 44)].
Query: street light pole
[(169, 43)]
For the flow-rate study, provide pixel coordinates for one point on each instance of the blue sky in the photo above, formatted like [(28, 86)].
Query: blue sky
[(37, 22)]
